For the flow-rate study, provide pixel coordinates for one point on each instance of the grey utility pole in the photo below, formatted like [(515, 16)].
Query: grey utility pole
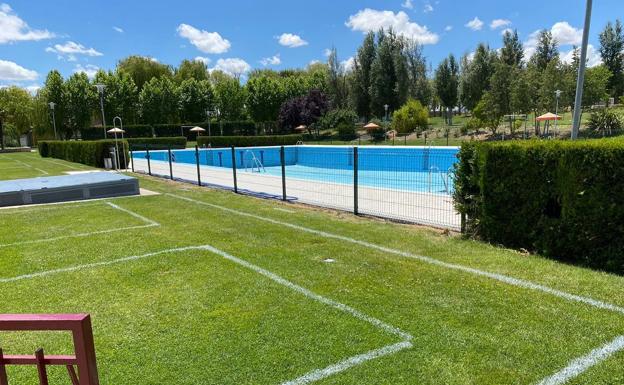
[(576, 122)]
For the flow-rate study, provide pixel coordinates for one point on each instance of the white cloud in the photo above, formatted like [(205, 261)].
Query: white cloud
[(273, 60), (203, 59), (208, 42), (291, 41), (71, 49), (428, 8), (118, 29), (33, 89), (372, 20), (593, 56), (327, 52), (348, 64), (312, 62), (475, 24), (566, 34), (233, 66), (408, 4), (12, 71), (89, 69), (448, 28), (13, 29), (499, 23)]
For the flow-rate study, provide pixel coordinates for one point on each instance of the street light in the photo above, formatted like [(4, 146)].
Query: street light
[(576, 121), (558, 95), (208, 115), (100, 87), (52, 105), (386, 109)]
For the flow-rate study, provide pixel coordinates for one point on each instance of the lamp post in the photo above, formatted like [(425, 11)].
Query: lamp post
[(52, 105), (576, 121), (122, 138), (558, 95), (208, 115), (100, 87), (386, 109)]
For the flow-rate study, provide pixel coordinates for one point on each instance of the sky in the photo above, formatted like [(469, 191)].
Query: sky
[(37, 36)]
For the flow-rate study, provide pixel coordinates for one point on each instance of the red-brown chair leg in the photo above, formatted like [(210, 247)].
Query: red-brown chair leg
[(3, 374), (43, 375), (72, 375)]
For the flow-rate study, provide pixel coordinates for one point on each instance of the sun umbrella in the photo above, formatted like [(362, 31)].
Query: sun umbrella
[(371, 125), (548, 116)]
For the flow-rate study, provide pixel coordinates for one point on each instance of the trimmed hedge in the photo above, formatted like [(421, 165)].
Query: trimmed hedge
[(564, 200), (248, 141), (91, 153), (176, 142)]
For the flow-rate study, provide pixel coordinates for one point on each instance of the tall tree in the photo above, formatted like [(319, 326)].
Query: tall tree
[(476, 77), (16, 107), (546, 51), (229, 96), (120, 95), (195, 98), (80, 99), (158, 101), (142, 69), (612, 53), (388, 74), (265, 95), (447, 83), (337, 81), (53, 91), (362, 76), (500, 86), (416, 65), (512, 52), (191, 69)]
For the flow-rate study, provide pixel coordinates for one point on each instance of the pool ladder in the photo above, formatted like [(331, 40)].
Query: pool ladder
[(446, 178), (254, 163)]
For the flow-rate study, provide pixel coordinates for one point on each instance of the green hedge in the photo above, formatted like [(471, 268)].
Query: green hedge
[(248, 141), (91, 153), (564, 200), (229, 128), (166, 142)]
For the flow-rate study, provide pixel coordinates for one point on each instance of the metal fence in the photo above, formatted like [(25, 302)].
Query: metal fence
[(410, 184)]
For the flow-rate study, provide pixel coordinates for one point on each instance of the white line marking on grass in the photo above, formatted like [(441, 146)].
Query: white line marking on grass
[(499, 277), (150, 223), (307, 378), (581, 364), (58, 163), (30, 166)]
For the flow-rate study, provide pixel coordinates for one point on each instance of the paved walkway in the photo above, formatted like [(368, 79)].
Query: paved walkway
[(416, 207)]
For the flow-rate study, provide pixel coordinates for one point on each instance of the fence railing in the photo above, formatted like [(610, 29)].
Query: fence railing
[(410, 184)]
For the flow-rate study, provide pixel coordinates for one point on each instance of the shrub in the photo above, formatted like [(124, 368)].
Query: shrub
[(334, 118), (560, 199), (248, 141), (605, 120), (346, 131), (412, 117), (176, 142), (91, 153)]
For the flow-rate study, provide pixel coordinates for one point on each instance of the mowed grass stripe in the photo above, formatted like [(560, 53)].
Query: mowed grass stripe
[(297, 333)]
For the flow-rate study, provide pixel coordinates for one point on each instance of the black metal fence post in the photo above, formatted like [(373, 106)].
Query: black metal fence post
[(283, 163), (197, 161), (149, 165), (355, 180), (234, 169), (132, 159), (170, 165)]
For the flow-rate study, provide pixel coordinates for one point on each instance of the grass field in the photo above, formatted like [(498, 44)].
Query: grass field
[(199, 286)]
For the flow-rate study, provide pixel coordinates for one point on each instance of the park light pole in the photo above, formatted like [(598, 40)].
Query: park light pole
[(52, 105), (208, 115), (576, 121), (386, 109), (558, 95), (1, 129), (100, 87)]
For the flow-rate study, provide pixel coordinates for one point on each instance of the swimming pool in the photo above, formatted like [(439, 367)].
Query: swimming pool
[(409, 168)]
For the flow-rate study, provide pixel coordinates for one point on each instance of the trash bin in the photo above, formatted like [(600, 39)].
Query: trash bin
[(108, 163)]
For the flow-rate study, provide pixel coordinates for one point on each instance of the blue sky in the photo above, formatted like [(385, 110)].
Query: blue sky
[(71, 35)]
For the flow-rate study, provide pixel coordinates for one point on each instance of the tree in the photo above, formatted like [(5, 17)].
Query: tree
[(265, 95), (191, 69), (337, 81), (447, 83), (195, 98), (500, 85), (80, 99), (389, 77), (489, 112), (612, 54), (16, 106), (53, 91), (596, 86), (476, 76), (142, 69), (411, 117), (546, 51), (120, 95), (362, 76), (512, 52), (521, 98), (416, 65), (158, 101), (230, 96), (306, 110)]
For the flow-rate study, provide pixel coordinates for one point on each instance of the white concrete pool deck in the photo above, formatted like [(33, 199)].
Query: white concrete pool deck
[(416, 207)]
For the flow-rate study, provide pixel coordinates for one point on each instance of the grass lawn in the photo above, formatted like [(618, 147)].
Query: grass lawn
[(217, 288)]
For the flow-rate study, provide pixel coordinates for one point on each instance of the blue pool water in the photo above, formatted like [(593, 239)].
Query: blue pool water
[(403, 168)]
